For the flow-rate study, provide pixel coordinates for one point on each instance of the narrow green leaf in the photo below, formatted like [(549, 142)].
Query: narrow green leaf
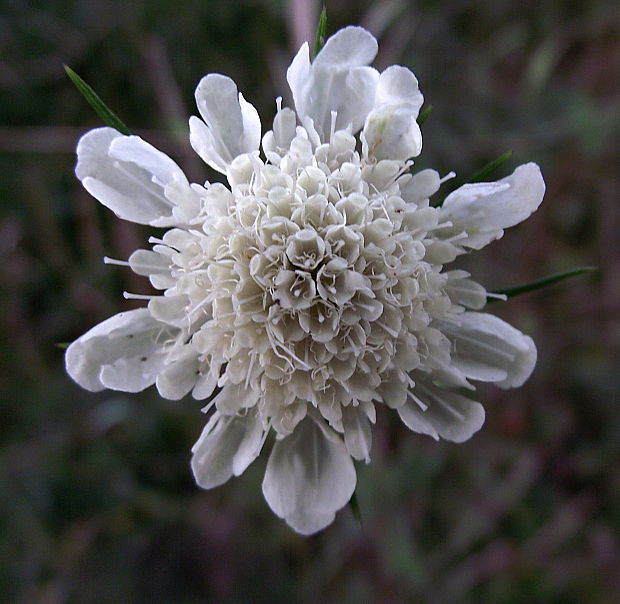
[(62, 345), (105, 113), (321, 33), (355, 508), (424, 114), (528, 287), (484, 172)]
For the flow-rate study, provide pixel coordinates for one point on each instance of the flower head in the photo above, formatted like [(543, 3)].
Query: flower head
[(311, 289)]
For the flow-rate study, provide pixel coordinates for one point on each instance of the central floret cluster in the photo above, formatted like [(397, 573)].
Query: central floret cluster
[(312, 287), (310, 280)]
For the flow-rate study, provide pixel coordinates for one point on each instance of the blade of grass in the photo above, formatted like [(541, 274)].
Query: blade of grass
[(321, 33), (485, 171), (479, 176), (540, 283), (103, 111), (355, 508), (424, 114)]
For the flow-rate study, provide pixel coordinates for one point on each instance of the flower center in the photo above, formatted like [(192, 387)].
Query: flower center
[(305, 277)]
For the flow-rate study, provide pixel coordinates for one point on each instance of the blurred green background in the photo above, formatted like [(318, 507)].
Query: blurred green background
[(97, 502)]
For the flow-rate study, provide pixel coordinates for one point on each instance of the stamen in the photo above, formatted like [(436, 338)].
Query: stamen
[(503, 297), (462, 235), (443, 225), (356, 350), (200, 304), (391, 331), (332, 129), (130, 296), (405, 168), (363, 366), (245, 300), (250, 367), (107, 260), (458, 415), (367, 307), (417, 400), (448, 176), (208, 407), (274, 347), (256, 167)]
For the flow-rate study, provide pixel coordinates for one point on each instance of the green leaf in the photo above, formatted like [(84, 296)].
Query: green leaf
[(105, 113), (355, 508), (424, 114), (528, 287), (62, 345), (321, 32), (484, 172)]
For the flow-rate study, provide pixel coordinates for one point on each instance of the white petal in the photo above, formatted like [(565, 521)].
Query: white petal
[(284, 418), (251, 125), (297, 76), (440, 252), (227, 446), (179, 377), (127, 175), (251, 444), (393, 389), (357, 432), (465, 291), (391, 130), (235, 397), (205, 384), (449, 376), (279, 139), (398, 86), (231, 125), (419, 187), (170, 309), (489, 349), (203, 142), (353, 100), (147, 263), (484, 210), (448, 415), (348, 47), (132, 149), (125, 352), (338, 80), (133, 374), (309, 477)]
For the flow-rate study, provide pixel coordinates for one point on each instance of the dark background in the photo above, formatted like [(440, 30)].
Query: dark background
[(97, 501)]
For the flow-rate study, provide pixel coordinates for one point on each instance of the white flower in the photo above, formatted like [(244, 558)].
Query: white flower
[(310, 289)]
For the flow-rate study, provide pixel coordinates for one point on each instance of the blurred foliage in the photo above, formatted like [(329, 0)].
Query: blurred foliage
[(96, 497)]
